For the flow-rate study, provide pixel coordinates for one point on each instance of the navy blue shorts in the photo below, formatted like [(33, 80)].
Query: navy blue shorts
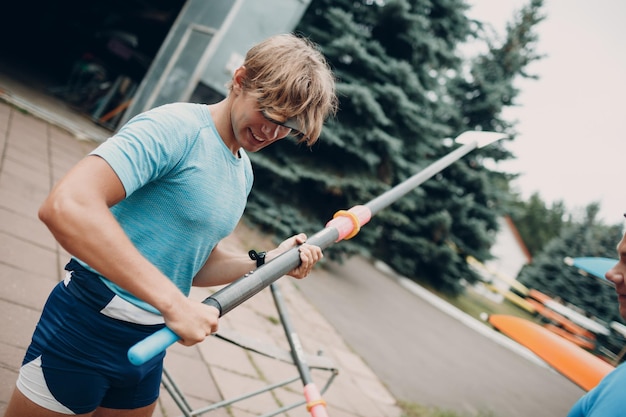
[(77, 358)]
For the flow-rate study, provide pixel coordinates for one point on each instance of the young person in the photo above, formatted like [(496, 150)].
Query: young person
[(144, 217), (608, 398)]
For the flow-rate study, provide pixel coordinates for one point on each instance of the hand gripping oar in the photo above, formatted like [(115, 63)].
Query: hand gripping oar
[(344, 225)]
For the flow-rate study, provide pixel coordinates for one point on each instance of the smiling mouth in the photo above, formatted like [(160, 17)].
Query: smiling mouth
[(257, 138)]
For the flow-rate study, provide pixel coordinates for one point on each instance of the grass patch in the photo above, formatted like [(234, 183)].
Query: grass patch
[(474, 304), (416, 410)]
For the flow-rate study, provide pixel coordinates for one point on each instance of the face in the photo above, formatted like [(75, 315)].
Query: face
[(253, 131), (617, 275)]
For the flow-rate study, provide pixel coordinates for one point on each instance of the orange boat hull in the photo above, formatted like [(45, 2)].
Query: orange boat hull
[(581, 367)]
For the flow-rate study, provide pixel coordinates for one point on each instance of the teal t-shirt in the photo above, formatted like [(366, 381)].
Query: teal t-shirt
[(185, 190), (607, 399)]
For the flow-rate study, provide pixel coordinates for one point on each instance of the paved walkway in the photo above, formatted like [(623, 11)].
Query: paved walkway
[(34, 154)]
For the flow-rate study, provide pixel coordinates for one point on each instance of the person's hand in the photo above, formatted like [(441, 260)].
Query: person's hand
[(192, 321), (309, 254)]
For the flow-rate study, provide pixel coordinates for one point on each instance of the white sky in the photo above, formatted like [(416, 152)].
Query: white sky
[(572, 121)]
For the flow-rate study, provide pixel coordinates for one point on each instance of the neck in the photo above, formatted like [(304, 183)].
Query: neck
[(220, 112)]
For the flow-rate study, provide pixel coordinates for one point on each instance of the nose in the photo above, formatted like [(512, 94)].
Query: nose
[(271, 130), (615, 275)]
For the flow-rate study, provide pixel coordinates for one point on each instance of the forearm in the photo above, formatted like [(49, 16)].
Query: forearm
[(226, 264)]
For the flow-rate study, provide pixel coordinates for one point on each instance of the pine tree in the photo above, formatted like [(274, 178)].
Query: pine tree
[(537, 223), (403, 89)]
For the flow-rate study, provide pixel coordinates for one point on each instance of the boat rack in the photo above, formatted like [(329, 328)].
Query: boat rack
[(317, 362)]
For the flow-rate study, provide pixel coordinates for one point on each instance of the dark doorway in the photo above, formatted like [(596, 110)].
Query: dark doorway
[(90, 54)]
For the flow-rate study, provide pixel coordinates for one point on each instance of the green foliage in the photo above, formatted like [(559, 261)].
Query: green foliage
[(537, 223), (403, 89), (549, 274)]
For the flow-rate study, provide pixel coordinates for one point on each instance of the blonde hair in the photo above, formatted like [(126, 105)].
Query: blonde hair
[(291, 79)]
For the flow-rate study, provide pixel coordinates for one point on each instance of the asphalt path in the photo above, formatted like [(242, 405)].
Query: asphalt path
[(429, 356)]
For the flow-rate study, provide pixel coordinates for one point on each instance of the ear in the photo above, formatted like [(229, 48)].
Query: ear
[(238, 79)]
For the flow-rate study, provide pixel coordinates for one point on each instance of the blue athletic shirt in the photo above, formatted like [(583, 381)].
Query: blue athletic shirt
[(607, 399), (185, 190)]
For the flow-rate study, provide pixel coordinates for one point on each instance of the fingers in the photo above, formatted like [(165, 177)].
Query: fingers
[(200, 322), (215, 322), (309, 256), (300, 238)]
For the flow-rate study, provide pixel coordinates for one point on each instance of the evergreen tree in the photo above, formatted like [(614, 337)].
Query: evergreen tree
[(549, 274), (403, 88), (537, 223)]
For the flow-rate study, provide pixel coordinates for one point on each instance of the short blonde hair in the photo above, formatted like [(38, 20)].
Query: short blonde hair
[(291, 80)]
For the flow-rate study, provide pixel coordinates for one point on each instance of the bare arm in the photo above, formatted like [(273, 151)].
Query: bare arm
[(77, 213), (227, 263)]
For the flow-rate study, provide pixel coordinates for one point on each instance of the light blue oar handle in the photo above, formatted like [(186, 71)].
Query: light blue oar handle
[(151, 346), (157, 342)]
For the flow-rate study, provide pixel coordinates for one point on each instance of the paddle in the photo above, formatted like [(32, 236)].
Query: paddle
[(344, 225), (595, 266)]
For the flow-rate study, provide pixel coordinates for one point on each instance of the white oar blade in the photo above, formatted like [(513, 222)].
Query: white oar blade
[(481, 139)]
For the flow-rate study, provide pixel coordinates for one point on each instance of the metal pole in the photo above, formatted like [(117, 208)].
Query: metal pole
[(314, 401)]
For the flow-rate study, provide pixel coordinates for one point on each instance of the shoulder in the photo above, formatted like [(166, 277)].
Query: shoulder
[(606, 399), (170, 127), (181, 116)]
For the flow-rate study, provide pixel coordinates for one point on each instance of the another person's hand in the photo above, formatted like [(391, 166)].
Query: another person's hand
[(309, 254)]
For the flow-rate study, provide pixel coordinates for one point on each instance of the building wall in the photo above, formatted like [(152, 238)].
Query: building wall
[(206, 44), (509, 252)]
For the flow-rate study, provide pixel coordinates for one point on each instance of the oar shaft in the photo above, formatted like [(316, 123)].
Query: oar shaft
[(255, 281), (344, 226), (394, 194)]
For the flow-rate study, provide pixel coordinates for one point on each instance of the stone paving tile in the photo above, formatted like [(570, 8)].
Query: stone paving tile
[(17, 198), (31, 168), (222, 354), (25, 289), (26, 228), (27, 256), (276, 370), (233, 385), (7, 382), (166, 407), (18, 323), (192, 377)]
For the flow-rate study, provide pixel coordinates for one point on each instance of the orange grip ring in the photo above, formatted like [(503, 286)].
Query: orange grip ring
[(312, 404), (355, 222)]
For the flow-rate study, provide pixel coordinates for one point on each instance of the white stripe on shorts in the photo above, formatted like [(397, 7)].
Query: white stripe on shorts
[(120, 309), (32, 384)]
